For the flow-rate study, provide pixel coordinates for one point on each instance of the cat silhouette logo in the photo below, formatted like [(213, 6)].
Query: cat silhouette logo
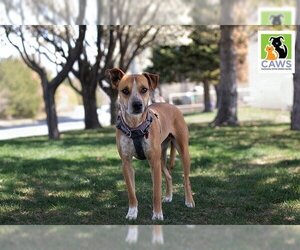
[(276, 51)]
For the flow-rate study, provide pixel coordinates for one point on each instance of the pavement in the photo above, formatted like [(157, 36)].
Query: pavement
[(27, 128), (38, 128)]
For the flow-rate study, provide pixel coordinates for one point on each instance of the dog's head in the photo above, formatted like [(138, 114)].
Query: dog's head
[(276, 41), (134, 90), (276, 19)]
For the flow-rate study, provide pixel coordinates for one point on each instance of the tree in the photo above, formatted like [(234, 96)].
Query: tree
[(34, 43), (227, 109), (197, 61), (206, 44), (127, 41), (87, 67), (90, 70), (295, 114), (45, 11)]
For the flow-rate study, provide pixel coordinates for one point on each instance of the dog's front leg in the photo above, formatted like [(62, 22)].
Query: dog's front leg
[(128, 173), (155, 164)]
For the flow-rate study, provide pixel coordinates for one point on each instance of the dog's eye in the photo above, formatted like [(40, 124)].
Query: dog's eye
[(144, 90), (125, 91)]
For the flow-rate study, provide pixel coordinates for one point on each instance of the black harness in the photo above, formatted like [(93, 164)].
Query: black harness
[(136, 134)]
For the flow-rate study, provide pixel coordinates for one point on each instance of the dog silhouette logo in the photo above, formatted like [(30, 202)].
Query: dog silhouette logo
[(276, 19), (276, 51), (276, 16), (280, 47)]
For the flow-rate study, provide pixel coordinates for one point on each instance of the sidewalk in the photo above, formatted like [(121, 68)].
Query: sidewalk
[(27, 128)]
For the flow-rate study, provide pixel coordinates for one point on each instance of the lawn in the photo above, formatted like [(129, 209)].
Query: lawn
[(240, 175)]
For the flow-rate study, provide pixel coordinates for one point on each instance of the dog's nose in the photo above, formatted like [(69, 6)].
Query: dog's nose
[(137, 107)]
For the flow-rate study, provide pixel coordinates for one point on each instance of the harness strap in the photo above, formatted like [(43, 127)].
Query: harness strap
[(138, 146), (136, 134)]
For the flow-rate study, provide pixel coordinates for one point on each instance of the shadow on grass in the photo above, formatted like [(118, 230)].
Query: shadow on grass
[(232, 188), (244, 137)]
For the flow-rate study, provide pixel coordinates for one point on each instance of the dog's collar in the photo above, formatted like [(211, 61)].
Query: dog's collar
[(137, 132)]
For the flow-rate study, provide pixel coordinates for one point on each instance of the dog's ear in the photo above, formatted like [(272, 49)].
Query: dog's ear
[(271, 17), (271, 38), (281, 37), (115, 75), (153, 80)]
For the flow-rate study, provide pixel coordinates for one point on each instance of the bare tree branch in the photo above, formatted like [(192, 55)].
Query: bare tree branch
[(78, 91)]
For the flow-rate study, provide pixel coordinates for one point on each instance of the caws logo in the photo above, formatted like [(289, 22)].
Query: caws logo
[(276, 52)]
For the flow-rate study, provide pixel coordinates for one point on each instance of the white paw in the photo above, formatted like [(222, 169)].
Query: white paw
[(168, 199), (190, 204), (132, 213), (157, 216), (132, 235)]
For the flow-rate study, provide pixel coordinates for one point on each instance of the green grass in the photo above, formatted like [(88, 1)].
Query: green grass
[(242, 175)]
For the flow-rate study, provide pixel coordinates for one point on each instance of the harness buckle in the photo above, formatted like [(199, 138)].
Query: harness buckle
[(129, 133)]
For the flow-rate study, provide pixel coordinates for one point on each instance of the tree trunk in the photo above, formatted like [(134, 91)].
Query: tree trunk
[(50, 108), (227, 112), (217, 95), (295, 115), (91, 120), (207, 101), (113, 107)]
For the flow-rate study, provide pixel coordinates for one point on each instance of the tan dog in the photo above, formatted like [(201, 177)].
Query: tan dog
[(162, 124)]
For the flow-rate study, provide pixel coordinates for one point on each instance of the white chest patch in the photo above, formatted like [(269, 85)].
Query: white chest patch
[(127, 146)]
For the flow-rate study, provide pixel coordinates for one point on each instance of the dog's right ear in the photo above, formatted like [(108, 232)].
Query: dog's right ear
[(271, 38), (115, 75)]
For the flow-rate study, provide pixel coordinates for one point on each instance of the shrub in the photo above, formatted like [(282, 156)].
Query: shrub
[(19, 90)]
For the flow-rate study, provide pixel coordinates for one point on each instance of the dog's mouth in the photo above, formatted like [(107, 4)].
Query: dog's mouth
[(137, 112)]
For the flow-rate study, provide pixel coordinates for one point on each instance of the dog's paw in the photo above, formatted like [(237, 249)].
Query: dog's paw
[(132, 213), (157, 216), (132, 235), (168, 199), (190, 204)]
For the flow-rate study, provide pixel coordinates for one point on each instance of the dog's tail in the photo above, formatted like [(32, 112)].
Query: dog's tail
[(172, 156)]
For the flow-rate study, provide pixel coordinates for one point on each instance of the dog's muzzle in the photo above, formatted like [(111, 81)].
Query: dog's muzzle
[(137, 107)]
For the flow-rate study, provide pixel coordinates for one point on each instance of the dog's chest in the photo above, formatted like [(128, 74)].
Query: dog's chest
[(128, 149)]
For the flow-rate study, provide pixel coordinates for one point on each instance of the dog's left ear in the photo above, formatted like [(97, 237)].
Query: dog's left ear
[(153, 80), (115, 76)]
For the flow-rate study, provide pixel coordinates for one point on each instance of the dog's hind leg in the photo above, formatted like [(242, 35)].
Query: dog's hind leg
[(172, 156), (167, 174), (182, 145)]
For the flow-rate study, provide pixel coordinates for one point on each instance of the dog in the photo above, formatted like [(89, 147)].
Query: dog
[(271, 53), (276, 19), (145, 132), (279, 47)]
